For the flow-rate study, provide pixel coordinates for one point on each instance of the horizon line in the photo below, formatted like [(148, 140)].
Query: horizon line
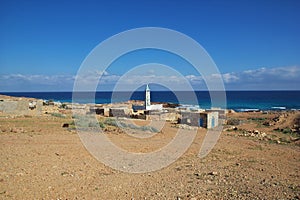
[(279, 90)]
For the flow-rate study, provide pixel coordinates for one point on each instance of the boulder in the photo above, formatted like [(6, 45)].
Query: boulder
[(65, 125)]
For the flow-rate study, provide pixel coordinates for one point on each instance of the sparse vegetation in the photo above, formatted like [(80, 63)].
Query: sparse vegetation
[(122, 124), (110, 122), (58, 115), (286, 131), (283, 130), (233, 121), (85, 121), (258, 119), (240, 166), (63, 105), (90, 122)]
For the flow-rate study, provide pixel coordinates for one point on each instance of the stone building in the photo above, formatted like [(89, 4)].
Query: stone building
[(202, 119), (104, 111), (21, 107), (119, 112)]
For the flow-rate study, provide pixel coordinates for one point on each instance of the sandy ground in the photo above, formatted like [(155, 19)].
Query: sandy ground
[(41, 160)]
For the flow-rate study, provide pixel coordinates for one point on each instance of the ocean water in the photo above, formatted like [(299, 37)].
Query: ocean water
[(237, 100)]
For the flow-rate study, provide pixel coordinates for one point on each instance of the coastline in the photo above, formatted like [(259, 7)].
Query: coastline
[(273, 109), (42, 155), (236, 100), (229, 118)]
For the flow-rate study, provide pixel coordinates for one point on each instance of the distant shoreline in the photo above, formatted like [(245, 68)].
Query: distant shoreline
[(153, 91), (241, 101)]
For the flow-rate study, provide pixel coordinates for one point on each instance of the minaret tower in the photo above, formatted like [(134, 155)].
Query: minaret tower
[(147, 100)]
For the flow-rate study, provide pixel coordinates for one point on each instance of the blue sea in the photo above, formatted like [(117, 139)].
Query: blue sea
[(237, 100)]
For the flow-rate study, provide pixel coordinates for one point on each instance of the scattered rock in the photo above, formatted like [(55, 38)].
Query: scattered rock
[(64, 173), (253, 133), (213, 173), (232, 128), (17, 130), (178, 168), (187, 127), (266, 123), (196, 174), (65, 125)]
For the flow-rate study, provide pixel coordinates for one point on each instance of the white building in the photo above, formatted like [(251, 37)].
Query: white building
[(147, 98), (148, 105)]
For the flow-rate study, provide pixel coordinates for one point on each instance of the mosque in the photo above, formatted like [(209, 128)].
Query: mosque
[(148, 105), (207, 119)]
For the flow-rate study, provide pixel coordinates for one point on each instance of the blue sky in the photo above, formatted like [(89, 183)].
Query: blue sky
[(255, 44)]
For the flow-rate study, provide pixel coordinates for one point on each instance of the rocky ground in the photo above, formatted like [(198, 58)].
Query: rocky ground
[(39, 159)]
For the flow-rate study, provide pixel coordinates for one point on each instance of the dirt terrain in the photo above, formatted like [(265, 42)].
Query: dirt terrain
[(39, 159)]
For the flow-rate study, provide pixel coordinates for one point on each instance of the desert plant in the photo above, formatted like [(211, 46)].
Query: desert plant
[(58, 115), (232, 121), (110, 122)]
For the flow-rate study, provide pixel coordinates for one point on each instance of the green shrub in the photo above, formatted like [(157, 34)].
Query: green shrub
[(258, 119), (63, 105), (121, 124), (233, 121), (93, 124), (85, 121), (58, 115), (286, 131), (102, 125), (153, 129), (110, 122)]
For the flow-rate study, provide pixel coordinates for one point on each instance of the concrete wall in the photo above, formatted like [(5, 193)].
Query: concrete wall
[(170, 117), (205, 119), (190, 118), (212, 120), (155, 107), (97, 110), (21, 107), (139, 114), (138, 107), (119, 112)]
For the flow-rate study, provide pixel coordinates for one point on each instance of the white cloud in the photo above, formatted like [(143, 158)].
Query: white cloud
[(194, 79), (257, 79), (282, 73), (230, 77), (102, 73), (265, 79), (21, 82)]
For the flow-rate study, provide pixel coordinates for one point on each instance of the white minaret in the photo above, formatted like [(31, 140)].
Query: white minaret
[(147, 100)]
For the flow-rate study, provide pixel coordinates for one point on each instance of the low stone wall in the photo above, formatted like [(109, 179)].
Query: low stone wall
[(20, 107)]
